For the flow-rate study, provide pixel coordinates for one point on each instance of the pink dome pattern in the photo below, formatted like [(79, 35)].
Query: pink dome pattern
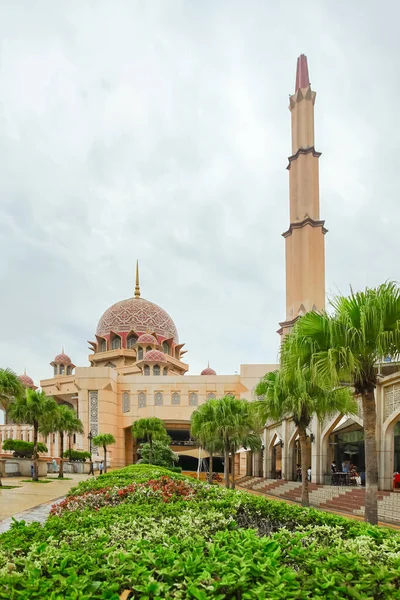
[(27, 381), (62, 359), (147, 338), (208, 371), (154, 356), (139, 315)]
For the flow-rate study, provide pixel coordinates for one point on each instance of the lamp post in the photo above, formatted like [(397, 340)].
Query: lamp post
[(90, 437)]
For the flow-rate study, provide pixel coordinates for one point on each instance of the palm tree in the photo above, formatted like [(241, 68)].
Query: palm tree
[(62, 420), (104, 439), (236, 425), (10, 387), (149, 429), (33, 408), (203, 429), (344, 349), (293, 393)]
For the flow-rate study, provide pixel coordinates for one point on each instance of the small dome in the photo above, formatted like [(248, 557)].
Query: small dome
[(147, 338), (208, 371), (27, 381), (62, 359), (154, 356)]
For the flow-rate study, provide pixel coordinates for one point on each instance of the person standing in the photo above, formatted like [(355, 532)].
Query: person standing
[(54, 463), (309, 473), (101, 467)]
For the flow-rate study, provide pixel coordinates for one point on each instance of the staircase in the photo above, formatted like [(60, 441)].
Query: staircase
[(349, 500)]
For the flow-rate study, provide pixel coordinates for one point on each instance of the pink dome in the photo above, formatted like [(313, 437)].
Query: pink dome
[(139, 315), (154, 356), (27, 381), (208, 371), (62, 359), (147, 338)]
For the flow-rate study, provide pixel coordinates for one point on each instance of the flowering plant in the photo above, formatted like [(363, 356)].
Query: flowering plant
[(164, 489)]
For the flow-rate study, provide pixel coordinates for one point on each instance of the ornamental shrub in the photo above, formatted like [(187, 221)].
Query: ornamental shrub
[(22, 449), (76, 455), (145, 532)]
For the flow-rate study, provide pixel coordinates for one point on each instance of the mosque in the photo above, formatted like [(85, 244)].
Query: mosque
[(137, 362)]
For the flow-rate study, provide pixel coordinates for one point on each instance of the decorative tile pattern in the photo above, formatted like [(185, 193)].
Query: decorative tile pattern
[(142, 399), (94, 415), (139, 315), (392, 399), (126, 402), (175, 398), (193, 399), (158, 399)]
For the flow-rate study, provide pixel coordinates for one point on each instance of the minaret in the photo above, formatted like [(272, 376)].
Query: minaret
[(305, 247)]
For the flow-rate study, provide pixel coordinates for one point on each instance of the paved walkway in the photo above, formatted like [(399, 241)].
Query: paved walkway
[(28, 496)]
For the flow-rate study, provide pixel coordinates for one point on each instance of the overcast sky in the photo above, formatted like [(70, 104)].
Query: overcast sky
[(159, 130)]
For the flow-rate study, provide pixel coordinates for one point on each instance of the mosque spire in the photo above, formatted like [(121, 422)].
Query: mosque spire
[(302, 78), (137, 286)]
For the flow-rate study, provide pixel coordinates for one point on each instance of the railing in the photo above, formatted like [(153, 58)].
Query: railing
[(182, 443)]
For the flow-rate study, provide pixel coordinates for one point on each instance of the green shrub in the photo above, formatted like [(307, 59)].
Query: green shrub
[(76, 455), (214, 543), (22, 449)]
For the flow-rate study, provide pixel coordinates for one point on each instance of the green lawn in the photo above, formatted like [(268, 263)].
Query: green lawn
[(147, 533), (33, 481)]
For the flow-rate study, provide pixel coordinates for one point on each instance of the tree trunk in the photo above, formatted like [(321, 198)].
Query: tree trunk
[(233, 485), (371, 458), (210, 475), (305, 500), (105, 458), (226, 468), (35, 451), (61, 473), (151, 449)]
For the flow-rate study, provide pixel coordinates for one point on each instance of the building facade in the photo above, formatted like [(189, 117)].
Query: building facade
[(138, 369)]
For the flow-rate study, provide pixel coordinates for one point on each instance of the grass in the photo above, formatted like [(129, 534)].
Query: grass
[(33, 481), (62, 478), (9, 487)]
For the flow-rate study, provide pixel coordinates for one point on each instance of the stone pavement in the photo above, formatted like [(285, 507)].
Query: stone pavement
[(32, 501)]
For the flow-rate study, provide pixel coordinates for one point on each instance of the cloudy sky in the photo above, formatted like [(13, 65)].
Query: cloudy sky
[(159, 130)]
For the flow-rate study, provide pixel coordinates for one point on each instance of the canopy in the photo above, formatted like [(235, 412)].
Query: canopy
[(195, 452)]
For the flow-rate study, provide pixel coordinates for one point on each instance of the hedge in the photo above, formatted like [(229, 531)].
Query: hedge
[(150, 533)]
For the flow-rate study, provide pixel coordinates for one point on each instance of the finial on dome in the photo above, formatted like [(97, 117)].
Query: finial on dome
[(137, 287), (62, 349), (24, 370), (302, 78)]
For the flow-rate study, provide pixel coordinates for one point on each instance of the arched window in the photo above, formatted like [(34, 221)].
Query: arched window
[(126, 402), (103, 346), (142, 399), (69, 370), (231, 394), (131, 341), (175, 398), (62, 369), (165, 371), (165, 348), (22, 437), (28, 437), (140, 354), (146, 370), (211, 396), (116, 343), (74, 439), (55, 369), (193, 399), (158, 399), (148, 348), (156, 370)]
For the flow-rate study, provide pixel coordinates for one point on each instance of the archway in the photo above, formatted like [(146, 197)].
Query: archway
[(390, 451)]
